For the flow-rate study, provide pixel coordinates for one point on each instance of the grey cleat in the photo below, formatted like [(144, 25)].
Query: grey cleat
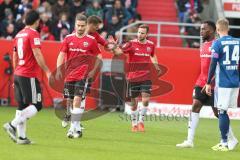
[(21, 140), (11, 131)]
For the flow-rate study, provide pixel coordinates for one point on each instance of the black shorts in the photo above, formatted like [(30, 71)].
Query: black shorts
[(75, 88), (136, 88), (27, 90), (203, 97)]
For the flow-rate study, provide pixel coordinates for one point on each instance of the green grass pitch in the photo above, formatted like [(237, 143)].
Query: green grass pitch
[(109, 138)]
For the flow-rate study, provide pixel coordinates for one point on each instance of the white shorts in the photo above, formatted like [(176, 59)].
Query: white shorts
[(226, 98)]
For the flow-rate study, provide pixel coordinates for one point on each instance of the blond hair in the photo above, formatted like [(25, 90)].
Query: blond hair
[(223, 24)]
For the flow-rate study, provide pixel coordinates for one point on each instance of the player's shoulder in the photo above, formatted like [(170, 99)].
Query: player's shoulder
[(216, 42), (70, 35), (90, 37), (32, 32), (133, 41), (21, 34), (150, 42)]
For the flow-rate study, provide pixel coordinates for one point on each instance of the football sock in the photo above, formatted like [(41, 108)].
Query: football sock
[(25, 114), (21, 127), (134, 117), (224, 125), (192, 125), (75, 118), (142, 114)]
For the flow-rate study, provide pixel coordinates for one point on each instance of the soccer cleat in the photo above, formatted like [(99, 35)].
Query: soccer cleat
[(141, 127), (64, 124), (70, 134), (220, 147), (232, 143), (11, 131), (21, 140), (66, 120), (134, 128), (77, 134), (185, 144)]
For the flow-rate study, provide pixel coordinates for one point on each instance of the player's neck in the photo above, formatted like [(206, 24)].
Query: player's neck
[(143, 41), (31, 27), (80, 36), (223, 34), (210, 39)]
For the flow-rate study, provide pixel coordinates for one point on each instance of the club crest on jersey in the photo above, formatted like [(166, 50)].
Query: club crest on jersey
[(85, 44), (210, 49), (149, 49)]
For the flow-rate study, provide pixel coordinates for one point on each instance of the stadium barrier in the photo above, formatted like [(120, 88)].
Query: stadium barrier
[(158, 34)]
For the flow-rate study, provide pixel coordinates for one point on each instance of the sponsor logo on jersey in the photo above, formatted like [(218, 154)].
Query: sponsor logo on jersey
[(205, 55), (76, 50), (142, 54), (71, 44)]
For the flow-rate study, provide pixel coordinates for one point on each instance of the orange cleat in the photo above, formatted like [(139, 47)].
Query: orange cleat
[(134, 128), (141, 127)]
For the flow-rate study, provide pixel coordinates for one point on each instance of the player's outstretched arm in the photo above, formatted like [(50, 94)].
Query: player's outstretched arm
[(117, 51), (41, 62)]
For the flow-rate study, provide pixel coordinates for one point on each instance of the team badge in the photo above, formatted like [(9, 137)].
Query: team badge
[(85, 44), (149, 49), (209, 49)]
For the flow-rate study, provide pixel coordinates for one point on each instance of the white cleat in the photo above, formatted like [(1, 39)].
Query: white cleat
[(185, 144), (11, 131), (77, 134), (64, 124), (70, 134), (24, 141), (232, 143)]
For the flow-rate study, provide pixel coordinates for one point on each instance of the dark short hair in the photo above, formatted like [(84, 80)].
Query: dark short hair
[(210, 24), (94, 20), (31, 17), (145, 26), (81, 17)]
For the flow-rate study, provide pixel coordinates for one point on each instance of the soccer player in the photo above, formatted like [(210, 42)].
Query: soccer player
[(200, 97), (225, 66), (73, 46), (141, 55), (27, 58), (93, 23)]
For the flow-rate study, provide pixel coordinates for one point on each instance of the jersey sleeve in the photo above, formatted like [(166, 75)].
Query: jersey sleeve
[(215, 56), (35, 41), (153, 50), (95, 48), (101, 40), (127, 48), (64, 46), (215, 51)]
